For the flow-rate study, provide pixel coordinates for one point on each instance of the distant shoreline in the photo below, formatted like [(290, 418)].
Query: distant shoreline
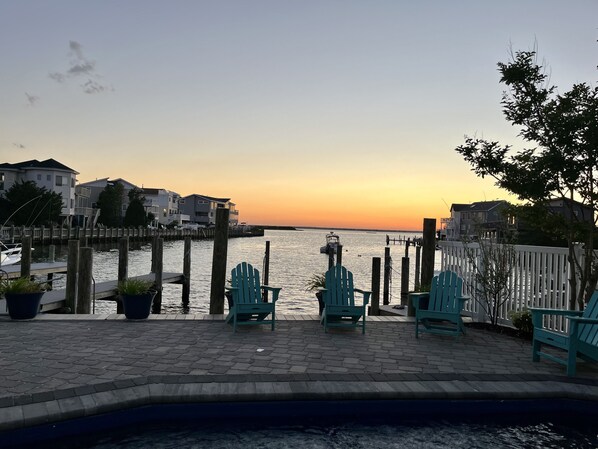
[(298, 228)]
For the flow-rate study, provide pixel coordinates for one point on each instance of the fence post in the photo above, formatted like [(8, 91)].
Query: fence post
[(375, 308), (219, 262)]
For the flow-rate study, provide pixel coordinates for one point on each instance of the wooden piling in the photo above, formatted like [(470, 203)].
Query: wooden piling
[(51, 259), (186, 271), (418, 252), (387, 268), (330, 259), (266, 276), (405, 281), (26, 256), (71, 276), (429, 250), (123, 267), (84, 284), (375, 308), (159, 268), (219, 262), (339, 255)]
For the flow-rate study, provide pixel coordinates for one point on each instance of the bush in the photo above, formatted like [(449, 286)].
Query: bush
[(522, 320)]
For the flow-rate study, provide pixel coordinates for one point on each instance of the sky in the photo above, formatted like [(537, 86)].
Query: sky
[(306, 113)]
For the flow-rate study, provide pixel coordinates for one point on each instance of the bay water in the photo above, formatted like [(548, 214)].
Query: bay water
[(294, 258)]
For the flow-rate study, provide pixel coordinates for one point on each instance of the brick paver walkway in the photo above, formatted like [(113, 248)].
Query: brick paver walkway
[(45, 360)]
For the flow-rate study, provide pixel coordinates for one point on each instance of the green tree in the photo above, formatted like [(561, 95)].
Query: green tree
[(562, 132), (110, 203), (136, 215), (26, 204)]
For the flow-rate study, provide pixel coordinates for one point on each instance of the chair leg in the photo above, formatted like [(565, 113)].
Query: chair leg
[(273, 320), (416, 328), (535, 349), (235, 323), (571, 362)]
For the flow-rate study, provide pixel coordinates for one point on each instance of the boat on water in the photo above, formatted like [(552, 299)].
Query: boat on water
[(332, 243), (10, 253)]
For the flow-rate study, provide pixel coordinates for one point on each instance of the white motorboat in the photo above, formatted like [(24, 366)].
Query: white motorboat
[(332, 244), (10, 253)]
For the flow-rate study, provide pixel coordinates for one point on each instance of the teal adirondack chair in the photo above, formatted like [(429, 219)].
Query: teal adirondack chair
[(582, 340), (340, 309), (248, 307), (439, 310)]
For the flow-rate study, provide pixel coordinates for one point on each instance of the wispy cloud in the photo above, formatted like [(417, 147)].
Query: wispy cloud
[(81, 66), (31, 99)]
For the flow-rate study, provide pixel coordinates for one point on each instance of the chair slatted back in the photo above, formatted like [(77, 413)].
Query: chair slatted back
[(445, 289), (339, 287), (247, 280), (588, 333)]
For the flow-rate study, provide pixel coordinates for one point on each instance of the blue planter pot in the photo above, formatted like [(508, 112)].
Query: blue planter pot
[(23, 306), (138, 307)]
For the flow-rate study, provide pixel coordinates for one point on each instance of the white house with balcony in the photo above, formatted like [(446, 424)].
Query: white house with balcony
[(95, 188), (164, 204), (49, 174)]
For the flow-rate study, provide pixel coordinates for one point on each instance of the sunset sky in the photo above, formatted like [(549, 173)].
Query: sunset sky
[(308, 112)]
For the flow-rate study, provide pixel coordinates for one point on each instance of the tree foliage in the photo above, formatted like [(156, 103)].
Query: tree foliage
[(561, 160), (136, 215), (26, 204), (110, 203)]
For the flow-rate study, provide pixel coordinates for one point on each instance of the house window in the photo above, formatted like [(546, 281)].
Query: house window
[(72, 203), (73, 183), (48, 177), (39, 177), (59, 181)]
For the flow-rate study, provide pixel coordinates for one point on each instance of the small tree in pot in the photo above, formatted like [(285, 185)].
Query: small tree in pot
[(23, 296), (137, 296), (315, 284)]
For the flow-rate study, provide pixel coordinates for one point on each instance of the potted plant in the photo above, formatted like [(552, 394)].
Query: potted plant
[(137, 296), (316, 283), (23, 296)]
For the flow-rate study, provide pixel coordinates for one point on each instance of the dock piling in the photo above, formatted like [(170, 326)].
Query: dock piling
[(186, 271), (429, 250), (219, 262), (375, 308), (26, 257), (159, 267), (387, 268), (72, 275), (84, 290)]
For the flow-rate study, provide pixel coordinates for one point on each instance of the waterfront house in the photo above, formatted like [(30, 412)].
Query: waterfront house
[(49, 174), (95, 188), (164, 205), (201, 209), (467, 221)]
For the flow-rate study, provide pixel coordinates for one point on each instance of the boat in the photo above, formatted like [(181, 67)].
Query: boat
[(332, 243), (10, 253)]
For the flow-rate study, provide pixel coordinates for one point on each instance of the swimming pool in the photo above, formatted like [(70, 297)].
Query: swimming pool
[(327, 424)]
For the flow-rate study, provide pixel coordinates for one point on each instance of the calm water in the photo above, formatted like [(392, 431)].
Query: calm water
[(294, 258)]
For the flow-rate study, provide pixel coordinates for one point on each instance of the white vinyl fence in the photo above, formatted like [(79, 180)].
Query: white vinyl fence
[(539, 278)]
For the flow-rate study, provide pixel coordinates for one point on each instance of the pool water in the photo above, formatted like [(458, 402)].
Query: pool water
[(327, 424)]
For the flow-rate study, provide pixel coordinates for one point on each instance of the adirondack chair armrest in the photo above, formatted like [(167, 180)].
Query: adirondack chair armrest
[(416, 297), (538, 314), (274, 290), (230, 289), (582, 320), (366, 295), (464, 298)]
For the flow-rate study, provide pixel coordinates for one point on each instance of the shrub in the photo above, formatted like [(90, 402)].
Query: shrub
[(522, 320)]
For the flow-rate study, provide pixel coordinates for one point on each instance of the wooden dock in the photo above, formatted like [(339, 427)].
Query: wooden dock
[(37, 269), (106, 291)]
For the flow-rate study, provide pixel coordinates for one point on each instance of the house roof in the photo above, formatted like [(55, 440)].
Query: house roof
[(105, 181), (459, 207), (50, 164), (210, 198), (486, 205)]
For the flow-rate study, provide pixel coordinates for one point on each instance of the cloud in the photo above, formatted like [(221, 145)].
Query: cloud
[(31, 99), (79, 66)]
